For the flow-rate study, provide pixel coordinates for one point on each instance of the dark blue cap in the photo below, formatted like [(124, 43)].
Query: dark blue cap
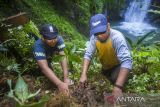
[(48, 31), (98, 23)]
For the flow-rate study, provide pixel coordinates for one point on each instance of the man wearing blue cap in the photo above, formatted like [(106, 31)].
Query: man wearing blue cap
[(112, 50), (51, 43)]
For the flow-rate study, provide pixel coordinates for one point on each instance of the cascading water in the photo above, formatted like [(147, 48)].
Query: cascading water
[(136, 12), (134, 17)]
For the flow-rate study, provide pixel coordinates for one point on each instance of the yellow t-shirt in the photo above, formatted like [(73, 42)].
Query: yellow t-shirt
[(107, 54)]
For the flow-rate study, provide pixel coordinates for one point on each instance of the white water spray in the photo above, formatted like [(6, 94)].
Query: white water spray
[(134, 18)]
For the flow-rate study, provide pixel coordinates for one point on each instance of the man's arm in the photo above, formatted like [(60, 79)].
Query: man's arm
[(90, 49), (64, 67), (122, 76), (50, 74), (85, 67), (121, 79), (124, 56)]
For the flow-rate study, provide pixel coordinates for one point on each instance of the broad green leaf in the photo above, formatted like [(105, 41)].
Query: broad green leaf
[(21, 89), (11, 94), (140, 40)]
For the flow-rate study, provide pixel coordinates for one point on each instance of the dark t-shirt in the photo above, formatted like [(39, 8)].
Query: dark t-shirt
[(43, 51)]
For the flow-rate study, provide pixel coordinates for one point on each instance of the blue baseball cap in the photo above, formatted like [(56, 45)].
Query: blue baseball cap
[(48, 31), (98, 23)]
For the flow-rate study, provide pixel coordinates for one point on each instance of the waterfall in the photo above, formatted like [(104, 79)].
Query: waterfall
[(134, 18), (137, 10)]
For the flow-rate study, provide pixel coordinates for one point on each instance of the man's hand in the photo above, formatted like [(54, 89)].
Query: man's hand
[(83, 78), (67, 80), (63, 87), (116, 92)]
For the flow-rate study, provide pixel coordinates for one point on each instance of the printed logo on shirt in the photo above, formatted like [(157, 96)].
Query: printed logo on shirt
[(39, 54), (61, 46)]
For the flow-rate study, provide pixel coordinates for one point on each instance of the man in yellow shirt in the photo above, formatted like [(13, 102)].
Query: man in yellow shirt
[(112, 50)]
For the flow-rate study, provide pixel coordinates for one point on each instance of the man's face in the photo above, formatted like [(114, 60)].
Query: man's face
[(103, 36), (51, 42)]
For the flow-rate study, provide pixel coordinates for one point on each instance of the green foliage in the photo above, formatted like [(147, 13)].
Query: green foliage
[(5, 62), (22, 41), (14, 67), (146, 70), (74, 60), (146, 59), (144, 83), (113, 8), (30, 65), (22, 93), (2, 47), (157, 6), (98, 5), (74, 53), (88, 8), (146, 64), (154, 11), (141, 40), (30, 27), (84, 12), (139, 82), (74, 56), (41, 103), (8, 43), (44, 10)]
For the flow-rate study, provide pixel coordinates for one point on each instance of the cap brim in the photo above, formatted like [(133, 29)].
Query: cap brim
[(50, 35), (98, 30)]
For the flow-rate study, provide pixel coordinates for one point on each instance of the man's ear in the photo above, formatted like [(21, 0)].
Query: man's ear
[(108, 26)]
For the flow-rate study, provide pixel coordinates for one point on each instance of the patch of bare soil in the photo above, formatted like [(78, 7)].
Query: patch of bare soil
[(82, 95)]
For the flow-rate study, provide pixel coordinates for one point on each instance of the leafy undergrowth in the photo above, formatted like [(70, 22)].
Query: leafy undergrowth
[(89, 95)]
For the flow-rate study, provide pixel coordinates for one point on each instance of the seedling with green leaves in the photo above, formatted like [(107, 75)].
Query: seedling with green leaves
[(21, 93)]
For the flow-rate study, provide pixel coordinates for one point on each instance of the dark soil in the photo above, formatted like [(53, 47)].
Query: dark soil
[(85, 95)]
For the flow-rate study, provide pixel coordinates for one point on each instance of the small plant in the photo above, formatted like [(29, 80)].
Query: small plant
[(21, 93)]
